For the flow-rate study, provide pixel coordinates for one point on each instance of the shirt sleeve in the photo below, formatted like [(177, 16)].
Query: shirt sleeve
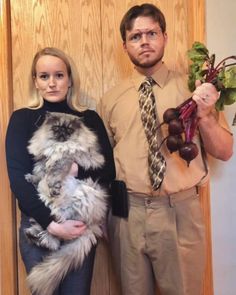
[(19, 163), (107, 173), (104, 114), (223, 122)]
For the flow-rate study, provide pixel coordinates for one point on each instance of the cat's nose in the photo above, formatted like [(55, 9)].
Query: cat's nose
[(61, 138)]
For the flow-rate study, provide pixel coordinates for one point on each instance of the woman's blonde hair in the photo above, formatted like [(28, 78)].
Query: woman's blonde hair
[(36, 100)]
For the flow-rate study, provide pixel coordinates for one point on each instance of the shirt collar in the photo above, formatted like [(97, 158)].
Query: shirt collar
[(160, 77)]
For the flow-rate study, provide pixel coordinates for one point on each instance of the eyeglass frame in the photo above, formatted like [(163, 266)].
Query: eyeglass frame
[(148, 33)]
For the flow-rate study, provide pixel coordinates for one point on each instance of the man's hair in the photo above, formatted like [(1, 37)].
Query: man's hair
[(145, 9)]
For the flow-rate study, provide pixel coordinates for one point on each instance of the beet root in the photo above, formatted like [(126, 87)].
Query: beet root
[(188, 151), (170, 114), (175, 127), (174, 142)]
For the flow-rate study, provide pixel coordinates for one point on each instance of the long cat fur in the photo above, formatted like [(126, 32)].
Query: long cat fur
[(66, 196)]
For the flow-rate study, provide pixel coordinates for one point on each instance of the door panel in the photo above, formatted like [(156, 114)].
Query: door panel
[(88, 30), (73, 26)]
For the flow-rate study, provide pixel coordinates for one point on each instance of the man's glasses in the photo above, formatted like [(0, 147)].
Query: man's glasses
[(150, 35)]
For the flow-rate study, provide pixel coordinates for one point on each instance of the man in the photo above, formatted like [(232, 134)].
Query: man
[(162, 241)]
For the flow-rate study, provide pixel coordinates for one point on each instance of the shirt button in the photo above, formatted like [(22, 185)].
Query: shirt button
[(149, 201)]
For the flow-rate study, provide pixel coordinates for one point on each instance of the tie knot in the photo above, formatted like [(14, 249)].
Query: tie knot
[(148, 82)]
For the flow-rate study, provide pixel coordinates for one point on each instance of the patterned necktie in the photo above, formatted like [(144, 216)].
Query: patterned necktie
[(156, 162)]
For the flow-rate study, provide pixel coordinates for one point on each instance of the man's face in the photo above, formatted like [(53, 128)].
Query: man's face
[(145, 44)]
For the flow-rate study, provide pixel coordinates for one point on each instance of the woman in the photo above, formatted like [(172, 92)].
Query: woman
[(54, 87)]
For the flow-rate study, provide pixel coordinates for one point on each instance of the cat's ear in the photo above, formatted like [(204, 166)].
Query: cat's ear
[(48, 116)]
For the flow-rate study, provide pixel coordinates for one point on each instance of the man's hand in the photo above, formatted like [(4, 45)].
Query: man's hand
[(205, 96)]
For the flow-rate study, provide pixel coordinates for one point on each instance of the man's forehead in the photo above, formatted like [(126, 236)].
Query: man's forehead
[(142, 21), (144, 29)]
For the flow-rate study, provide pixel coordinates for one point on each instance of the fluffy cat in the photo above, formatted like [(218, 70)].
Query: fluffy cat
[(62, 140)]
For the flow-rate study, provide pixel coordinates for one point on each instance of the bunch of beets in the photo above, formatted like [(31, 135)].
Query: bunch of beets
[(182, 120)]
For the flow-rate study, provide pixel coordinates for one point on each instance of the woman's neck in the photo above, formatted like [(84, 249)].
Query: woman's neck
[(61, 106)]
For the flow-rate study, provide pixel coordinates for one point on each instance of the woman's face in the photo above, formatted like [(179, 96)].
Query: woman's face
[(52, 80)]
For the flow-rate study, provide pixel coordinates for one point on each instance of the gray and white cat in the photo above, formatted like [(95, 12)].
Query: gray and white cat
[(62, 140)]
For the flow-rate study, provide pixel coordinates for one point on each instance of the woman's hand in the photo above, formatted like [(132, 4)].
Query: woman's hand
[(205, 95), (68, 230)]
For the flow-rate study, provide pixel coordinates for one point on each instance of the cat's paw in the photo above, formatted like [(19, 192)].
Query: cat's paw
[(48, 241), (29, 177), (32, 233), (34, 179)]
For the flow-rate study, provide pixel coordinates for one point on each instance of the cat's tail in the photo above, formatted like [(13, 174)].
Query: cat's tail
[(47, 275)]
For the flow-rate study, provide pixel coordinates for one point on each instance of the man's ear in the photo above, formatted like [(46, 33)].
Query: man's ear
[(166, 38)]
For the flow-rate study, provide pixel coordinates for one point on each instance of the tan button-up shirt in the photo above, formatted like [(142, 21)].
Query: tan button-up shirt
[(119, 109)]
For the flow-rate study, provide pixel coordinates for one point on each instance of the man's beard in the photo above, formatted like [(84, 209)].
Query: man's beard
[(145, 65)]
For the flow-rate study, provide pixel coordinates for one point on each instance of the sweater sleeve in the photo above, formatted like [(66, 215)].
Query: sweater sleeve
[(107, 173), (19, 163)]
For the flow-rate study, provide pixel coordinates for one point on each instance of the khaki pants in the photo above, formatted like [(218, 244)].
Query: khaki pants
[(161, 243)]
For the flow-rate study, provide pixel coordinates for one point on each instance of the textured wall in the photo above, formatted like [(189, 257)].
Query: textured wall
[(221, 39)]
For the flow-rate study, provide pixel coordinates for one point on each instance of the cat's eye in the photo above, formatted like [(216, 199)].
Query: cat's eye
[(70, 130), (55, 128), (62, 128)]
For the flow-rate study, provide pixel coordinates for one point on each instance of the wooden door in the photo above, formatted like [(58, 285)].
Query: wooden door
[(7, 204), (88, 30)]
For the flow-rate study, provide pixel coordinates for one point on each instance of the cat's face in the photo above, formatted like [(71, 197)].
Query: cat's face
[(62, 132), (61, 126)]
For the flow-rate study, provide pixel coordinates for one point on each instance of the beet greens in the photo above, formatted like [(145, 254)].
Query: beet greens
[(223, 75)]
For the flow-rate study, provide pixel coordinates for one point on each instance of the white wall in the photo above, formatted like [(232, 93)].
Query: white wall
[(221, 40)]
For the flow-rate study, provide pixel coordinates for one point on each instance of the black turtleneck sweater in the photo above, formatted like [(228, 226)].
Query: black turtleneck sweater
[(22, 125)]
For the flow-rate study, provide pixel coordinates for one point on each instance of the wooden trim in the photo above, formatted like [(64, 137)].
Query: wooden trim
[(206, 209), (196, 21), (8, 279), (196, 32)]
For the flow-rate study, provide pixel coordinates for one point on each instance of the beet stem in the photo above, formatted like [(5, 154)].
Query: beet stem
[(163, 140), (187, 113), (179, 107), (224, 60)]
